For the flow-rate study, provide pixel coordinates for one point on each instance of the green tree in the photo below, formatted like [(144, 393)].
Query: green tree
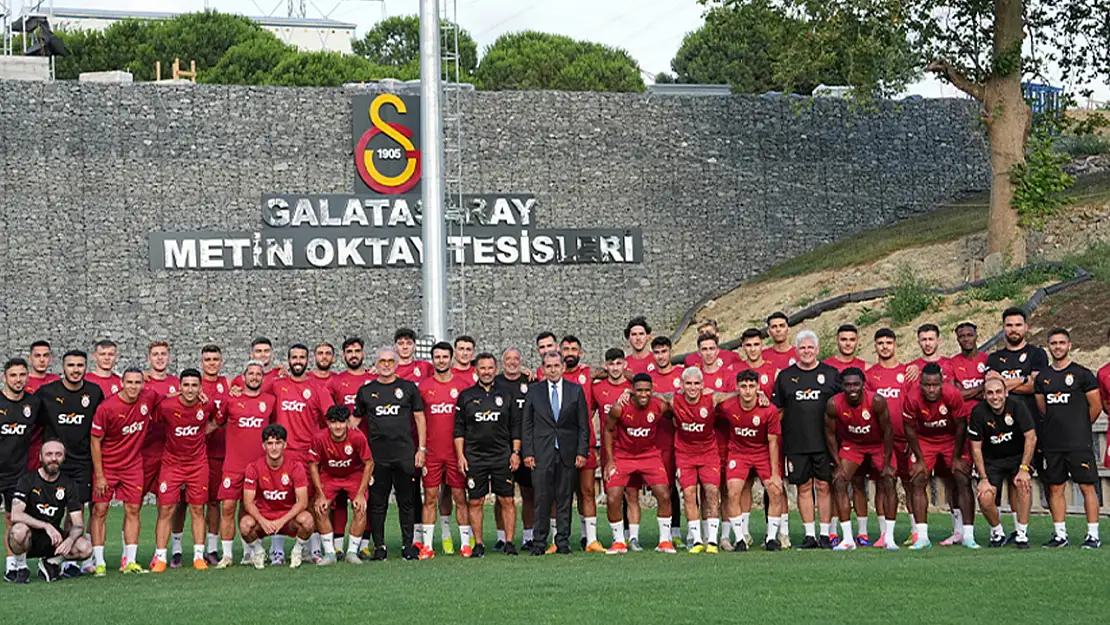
[(395, 42), (330, 69), (534, 60), (249, 63), (982, 48)]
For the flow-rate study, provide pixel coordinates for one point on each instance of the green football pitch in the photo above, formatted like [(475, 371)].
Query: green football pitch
[(942, 585)]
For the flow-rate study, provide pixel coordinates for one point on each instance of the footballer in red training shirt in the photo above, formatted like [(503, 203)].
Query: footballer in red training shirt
[(163, 384), (38, 376), (275, 497), (781, 353), (408, 367), (300, 405), (340, 462), (638, 335), (187, 422), (118, 429), (969, 366), (847, 342), (243, 417), (102, 373)]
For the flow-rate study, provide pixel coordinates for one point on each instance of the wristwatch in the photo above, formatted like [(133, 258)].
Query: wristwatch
[(1026, 468), (422, 449), (516, 452)]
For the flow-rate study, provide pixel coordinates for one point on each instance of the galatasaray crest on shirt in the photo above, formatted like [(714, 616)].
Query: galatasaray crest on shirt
[(84, 401), (866, 416), (285, 479), (820, 378), (755, 421), (307, 394), (1068, 379), (399, 393), (498, 401), (348, 450), (262, 406)]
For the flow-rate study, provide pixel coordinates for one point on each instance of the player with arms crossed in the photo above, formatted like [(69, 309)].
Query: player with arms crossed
[(632, 449), (1003, 439), (857, 428), (340, 462), (275, 497)]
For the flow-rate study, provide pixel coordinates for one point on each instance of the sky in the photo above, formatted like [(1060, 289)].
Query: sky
[(651, 30)]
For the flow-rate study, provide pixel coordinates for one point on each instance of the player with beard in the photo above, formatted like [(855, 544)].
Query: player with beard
[(666, 377), (340, 462), (1003, 438), (215, 388), (440, 395), (243, 418), (159, 380), (68, 408), (392, 405), (1018, 362), (19, 411), (323, 357), (969, 367), (464, 357), (802, 392), (1068, 398), (928, 339), (606, 392), (103, 373), (886, 377), (574, 371), (38, 375), (847, 343), (781, 353), (119, 427), (487, 445), (44, 504), (638, 335), (262, 350), (727, 357), (936, 429), (514, 377), (408, 367), (630, 446), (187, 421), (857, 428), (342, 387)]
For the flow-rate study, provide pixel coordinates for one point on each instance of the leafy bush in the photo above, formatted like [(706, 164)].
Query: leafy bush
[(912, 296), (1084, 144)]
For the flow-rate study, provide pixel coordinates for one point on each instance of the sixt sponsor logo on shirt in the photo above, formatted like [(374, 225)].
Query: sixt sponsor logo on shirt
[(389, 410), (250, 422), (808, 395), (13, 429), (745, 432), (186, 430), (134, 428), (939, 423), (444, 408), (1004, 437), (293, 406), (275, 495), (487, 416), (638, 432), (1011, 374), (1057, 398), (693, 427), (339, 464), (71, 419), (972, 383), (46, 510), (890, 393), (859, 430)]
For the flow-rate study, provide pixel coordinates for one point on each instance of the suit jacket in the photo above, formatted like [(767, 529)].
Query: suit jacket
[(539, 430)]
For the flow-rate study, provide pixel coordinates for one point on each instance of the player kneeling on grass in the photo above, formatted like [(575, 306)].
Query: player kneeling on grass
[(858, 432), (630, 445), (275, 496), (487, 445), (44, 505), (340, 462), (1003, 439)]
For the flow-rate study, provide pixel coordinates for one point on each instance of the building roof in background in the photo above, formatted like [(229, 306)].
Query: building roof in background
[(312, 22)]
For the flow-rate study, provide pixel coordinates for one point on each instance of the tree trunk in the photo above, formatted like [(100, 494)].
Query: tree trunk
[(1008, 120)]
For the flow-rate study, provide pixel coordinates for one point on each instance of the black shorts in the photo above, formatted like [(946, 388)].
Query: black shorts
[(83, 481), (523, 476), (801, 468), (40, 546), (1001, 471), (481, 479), (1078, 465), (6, 490)]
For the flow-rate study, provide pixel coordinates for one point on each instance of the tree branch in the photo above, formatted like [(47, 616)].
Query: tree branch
[(945, 70)]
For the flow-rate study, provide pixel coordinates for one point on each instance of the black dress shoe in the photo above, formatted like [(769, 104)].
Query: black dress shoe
[(824, 542), (537, 550), (526, 545), (509, 549), (565, 550), (809, 543), (379, 554)]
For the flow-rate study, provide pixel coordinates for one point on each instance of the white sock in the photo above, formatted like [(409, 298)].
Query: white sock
[(591, 530), (825, 529), (277, 544), (363, 543), (997, 531), (618, 531), (445, 526), (228, 547), (784, 524), (633, 531), (922, 530), (11, 563), (314, 543), (714, 524), (501, 533), (734, 524), (772, 527), (21, 561), (175, 542), (811, 529), (198, 551), (582, 526), (132, 552), (300, 543), (726, 527), (212, 541), (464, 535), (245, 545), (551, 530), (745, 518), (353, 543), (957, 521), (530, 533), (327, 541), (417, 533), (846, 529), (968, 533), (832, 525), (694, 527), (98, 555), (888, 531), (256, 546), (861, 521), (338, 542), (1061, 529), (1092, 530), (664, 528), (428, 534)]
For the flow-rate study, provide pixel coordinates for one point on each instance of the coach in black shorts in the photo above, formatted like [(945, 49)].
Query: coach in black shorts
[(1003, 438), (46, 519), (1067, 396), (802, 392), (487, 443)]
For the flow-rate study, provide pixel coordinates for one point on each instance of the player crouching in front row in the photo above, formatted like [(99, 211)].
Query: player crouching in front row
[(283, 504)]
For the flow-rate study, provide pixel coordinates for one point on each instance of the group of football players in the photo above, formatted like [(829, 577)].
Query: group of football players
[(295, 449)]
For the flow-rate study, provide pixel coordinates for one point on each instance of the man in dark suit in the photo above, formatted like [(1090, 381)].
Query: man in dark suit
[(555, 439)]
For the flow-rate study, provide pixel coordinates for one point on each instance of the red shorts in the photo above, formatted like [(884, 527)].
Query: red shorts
[(231, 487), (591, 461), (286, 530), (740, 466), (127, 486), (704, 468), (194, 477), (152, 469), (648, 467), (435, 470), (215, 473), (901, 458), (303, 458), (335, 485), (858, 454), (937, 456)]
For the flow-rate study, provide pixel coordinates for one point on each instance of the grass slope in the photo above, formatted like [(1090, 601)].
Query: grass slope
[(943, 585)]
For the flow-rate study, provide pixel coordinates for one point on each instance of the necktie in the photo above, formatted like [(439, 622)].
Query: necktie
[(555, 407)]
